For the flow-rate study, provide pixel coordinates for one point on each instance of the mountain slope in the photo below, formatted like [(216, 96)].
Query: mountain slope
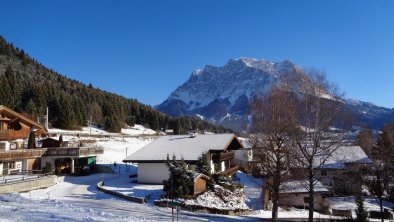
[(222, 94), (29, 87)]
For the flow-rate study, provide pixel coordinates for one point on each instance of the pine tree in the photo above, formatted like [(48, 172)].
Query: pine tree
[(130, 120), (204, 167), (31, 144), (60, 141), (361, 214), (180, 182), (154, 122)]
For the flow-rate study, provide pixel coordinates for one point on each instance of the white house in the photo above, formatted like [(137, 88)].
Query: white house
[(151, 158), (295, 193)]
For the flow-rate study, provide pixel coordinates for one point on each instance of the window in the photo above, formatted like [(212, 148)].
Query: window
[(11, 165), (323, 172), (13, 146)]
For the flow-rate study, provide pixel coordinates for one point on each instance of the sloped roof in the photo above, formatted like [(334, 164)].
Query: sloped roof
[(345, 155), (300, 186), (198, 175), (22, 118), (190, 148)]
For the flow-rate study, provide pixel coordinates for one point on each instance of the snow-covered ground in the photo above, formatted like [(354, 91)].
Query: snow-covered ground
[(127, 186), (77, 198), (252, 189), (115, 148), (136, 130)]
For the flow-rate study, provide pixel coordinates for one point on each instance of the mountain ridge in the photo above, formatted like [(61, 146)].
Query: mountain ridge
[(28, 86), (222, 94)]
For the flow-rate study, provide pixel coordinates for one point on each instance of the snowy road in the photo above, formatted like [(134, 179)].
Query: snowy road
[(77, 199)]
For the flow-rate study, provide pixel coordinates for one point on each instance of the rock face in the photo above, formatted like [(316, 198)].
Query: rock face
[(222, 94)]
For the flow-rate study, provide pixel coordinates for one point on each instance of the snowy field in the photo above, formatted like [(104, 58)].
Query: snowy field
[(77, 199), (115, 148), (136, 130)]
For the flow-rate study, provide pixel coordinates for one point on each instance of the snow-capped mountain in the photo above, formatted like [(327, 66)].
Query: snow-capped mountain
[(223, 94)]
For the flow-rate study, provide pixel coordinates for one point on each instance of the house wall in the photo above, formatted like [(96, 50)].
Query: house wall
[(4, 145), (46, 159), (27, 164), (200, 185), (211, 163), (1, 168), (223, 165), (342, 181), (297, 200), (242, 157), (17, 167), (152, 173)]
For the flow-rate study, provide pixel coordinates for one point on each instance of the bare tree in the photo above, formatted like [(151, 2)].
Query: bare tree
[(365, 140), (320, 116), (377, 183), (274, 118), (380, 183)]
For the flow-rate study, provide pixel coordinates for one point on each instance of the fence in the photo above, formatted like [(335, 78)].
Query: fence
[(23, 176), (28, 184)]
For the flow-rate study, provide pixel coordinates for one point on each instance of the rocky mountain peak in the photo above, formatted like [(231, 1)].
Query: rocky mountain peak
[(222, 94)]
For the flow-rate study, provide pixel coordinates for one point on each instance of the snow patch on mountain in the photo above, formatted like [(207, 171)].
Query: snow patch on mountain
[(223, 94)]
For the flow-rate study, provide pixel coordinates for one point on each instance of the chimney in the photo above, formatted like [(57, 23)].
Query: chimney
[(46, 119)]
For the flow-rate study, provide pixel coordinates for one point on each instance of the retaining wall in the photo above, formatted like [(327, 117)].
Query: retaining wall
[(120, 195), (29, 184)]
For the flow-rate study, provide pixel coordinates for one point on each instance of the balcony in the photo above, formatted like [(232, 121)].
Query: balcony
[(74, 152), (217, 157), (231, 171), (21, 154), (13, 135)]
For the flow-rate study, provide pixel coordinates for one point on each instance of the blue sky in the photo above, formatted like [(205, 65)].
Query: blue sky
[(145, 49)]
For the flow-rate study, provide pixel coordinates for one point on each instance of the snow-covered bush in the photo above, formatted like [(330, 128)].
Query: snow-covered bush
[(220, 198)]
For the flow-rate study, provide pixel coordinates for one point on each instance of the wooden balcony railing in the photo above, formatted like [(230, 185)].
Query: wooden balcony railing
[(12, 135), (217, 157), (21, 154), (35, 153), (74, 152), (230, 171)]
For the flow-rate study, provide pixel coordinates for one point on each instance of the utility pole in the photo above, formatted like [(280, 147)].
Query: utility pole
[(90, 126), (172, 195), (126, 157)]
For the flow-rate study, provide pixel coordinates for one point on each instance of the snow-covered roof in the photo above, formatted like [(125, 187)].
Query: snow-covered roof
[(345, 155), (300, 186), (198, 175), (246, 142), (183, 146)]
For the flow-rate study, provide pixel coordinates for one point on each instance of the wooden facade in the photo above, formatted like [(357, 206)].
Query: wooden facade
[(200, 183), (14, 125)]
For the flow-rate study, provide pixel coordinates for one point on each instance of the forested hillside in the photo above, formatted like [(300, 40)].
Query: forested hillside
[(28, 87)]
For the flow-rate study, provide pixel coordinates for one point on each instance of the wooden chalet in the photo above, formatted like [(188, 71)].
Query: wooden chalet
[(151, 158), (15, 158)]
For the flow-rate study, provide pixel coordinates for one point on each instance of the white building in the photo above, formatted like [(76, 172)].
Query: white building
[(151, 158)]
